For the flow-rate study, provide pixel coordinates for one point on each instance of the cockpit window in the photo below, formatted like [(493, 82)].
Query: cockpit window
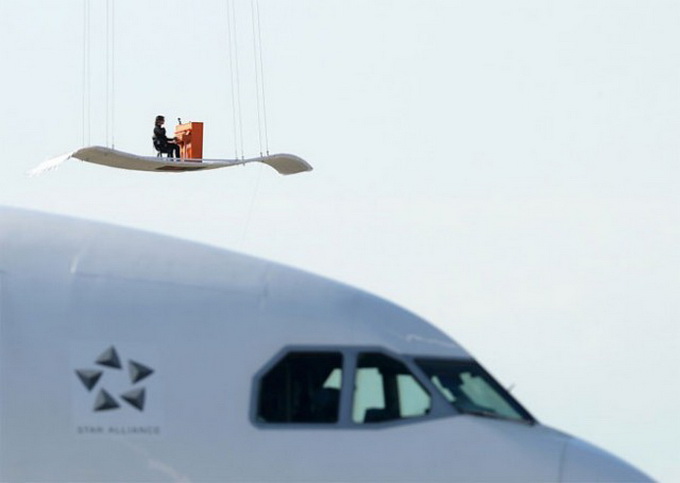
[(304, 387), (386, 390), (470, 389)]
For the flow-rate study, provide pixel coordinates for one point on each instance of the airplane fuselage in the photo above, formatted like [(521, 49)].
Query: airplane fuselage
[(128, 356)]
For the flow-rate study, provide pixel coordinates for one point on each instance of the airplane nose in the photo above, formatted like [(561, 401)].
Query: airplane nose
[(584, 462)]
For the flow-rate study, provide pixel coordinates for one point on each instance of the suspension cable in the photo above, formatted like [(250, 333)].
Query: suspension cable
[(231, 79), (113, 74), (236, 77), (89, 73), (257, 74), (84, 79), (108, 72), (264, 100), (86, 100)]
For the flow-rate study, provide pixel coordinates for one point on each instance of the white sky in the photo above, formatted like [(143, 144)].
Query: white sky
[(508, 170)]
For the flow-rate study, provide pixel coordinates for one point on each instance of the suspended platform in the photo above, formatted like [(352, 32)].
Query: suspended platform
[(283, 163)]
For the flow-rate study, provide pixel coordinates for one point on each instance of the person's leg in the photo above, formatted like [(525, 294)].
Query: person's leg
[(174, 148)]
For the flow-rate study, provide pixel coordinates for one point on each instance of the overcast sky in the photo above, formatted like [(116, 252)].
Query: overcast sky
[(506, 169)]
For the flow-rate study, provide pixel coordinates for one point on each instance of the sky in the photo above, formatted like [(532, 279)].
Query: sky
[(507, 170)]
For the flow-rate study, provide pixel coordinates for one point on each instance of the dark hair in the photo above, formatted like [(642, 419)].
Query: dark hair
[(160, 118)]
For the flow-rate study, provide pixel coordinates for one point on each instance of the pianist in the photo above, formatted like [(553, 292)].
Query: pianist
[(161, 142)]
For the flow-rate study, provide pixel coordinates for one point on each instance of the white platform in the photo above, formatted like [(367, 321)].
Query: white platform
[(283, 163)]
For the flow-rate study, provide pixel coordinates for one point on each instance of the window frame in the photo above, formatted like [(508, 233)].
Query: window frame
[(439, 406), (527, 417), (391, 386), (273, 362)]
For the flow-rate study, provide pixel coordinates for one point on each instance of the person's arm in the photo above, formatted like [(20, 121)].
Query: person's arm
[(159, 132)]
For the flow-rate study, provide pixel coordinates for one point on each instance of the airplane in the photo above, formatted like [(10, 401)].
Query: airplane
[(131, 356)]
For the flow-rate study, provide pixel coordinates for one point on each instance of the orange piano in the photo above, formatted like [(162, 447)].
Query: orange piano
[(189, 137)]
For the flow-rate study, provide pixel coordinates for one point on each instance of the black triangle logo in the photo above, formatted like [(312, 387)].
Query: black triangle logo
[(138, 371), (135, 398), (109, 358), (105, 402), (89, 378)]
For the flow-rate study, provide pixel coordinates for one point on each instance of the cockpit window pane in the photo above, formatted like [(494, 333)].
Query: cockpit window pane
[(369, 393), (470, 389), (385, 390), (303, 387), (480, 392), (413, 399)]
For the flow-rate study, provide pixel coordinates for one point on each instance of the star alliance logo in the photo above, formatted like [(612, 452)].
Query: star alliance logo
[(104, 401)]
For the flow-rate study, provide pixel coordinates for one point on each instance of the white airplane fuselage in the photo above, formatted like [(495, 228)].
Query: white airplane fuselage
[(128, 356)]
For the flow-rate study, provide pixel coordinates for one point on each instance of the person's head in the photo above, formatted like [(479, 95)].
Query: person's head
[(160, 120)]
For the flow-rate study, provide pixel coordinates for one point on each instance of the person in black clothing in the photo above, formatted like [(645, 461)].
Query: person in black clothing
[(161, 141)]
